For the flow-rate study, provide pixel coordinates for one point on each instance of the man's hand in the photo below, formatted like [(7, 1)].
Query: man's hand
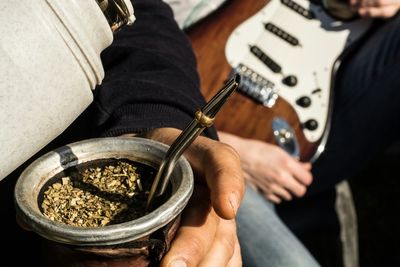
[(204, 238), (376, 8), (207, 236), (270, 169)]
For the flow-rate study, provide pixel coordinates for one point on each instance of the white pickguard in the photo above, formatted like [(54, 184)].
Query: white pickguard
[(322, 40)]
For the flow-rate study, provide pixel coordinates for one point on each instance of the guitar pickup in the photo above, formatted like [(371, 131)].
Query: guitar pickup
[(298, 9), (272, 28), (269, 62)]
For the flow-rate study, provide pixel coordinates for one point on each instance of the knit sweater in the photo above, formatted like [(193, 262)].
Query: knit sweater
[(150, 80)]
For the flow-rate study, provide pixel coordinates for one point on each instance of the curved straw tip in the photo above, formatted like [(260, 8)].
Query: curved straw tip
[(237, 78)]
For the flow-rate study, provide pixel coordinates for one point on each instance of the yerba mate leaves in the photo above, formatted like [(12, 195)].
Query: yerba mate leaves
[(100, 196)]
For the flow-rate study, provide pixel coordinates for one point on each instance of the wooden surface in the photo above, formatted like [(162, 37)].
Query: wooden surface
[(240, 115)]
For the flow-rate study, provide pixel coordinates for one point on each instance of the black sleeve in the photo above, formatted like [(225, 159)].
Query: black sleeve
[(151, 79)]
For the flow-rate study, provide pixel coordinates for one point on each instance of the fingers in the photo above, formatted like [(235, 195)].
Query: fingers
[(236, 260), (354, 3), (378, 12), (264, 189), (281, 192), (277, 175), (294, 176), (273, 192), (196, 234), (292, 184), (300, 171), (285, 183), (273, 198), (306, 165), (225, 180), (376, 8), (203, 239), (220, 166), (375, 3), (284, 190), (222, 250)]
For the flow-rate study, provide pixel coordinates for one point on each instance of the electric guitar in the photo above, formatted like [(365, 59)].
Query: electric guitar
[(287, 53)]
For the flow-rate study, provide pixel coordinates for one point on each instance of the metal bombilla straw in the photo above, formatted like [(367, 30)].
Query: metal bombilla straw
[(203, 118)]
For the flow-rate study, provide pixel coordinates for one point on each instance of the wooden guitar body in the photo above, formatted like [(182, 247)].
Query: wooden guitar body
[(224, 44)]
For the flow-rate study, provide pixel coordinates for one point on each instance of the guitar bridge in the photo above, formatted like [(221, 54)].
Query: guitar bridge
[(255, 86)]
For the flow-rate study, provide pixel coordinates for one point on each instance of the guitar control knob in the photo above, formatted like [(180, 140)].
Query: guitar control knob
[(304, 101), (310, 125), (290, 80)]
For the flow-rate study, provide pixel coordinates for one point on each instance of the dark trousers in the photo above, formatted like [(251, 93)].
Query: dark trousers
[(365, 121)]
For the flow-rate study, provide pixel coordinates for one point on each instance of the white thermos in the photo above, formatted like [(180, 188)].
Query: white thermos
[(49, 65)]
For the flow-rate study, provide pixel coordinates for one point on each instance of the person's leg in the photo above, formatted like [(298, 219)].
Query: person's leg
[(264, 239), (313, 220)]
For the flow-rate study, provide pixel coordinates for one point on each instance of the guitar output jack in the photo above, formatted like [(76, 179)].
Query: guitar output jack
[(285, 137)]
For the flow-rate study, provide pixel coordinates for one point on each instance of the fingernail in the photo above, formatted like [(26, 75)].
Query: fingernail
[(177, 263), (233, 200)]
